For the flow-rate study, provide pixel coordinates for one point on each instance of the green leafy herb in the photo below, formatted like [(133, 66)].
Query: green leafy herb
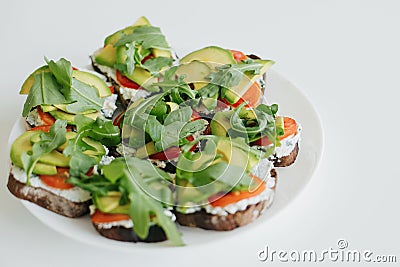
[(99, 130), (59, 87), (146, 36), (154, 65), (83, 97), (166, 130), (45, 90), (62, 70), (48, 142)]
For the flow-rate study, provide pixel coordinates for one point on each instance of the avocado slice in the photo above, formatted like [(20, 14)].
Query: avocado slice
[(213, 54), (48, 108), (195, 72), (92, 80), (220, 123), (106, 55), (110, 203), (23, 144), (146, 150), (26, 86), (55, 158), (99, 149), (70, 118), (160, 52), (234, 155), (141, 77)]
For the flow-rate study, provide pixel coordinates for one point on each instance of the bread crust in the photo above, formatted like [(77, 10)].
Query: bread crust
[(47, 199), (289, 159), (208, 221), (120, 233)]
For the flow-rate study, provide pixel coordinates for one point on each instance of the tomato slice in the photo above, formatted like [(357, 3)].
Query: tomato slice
[(101, 217), (58, 180), (263, 141), (233, 197), (43, 128), (112, 89), (195, 116), (238, 56), (46, 118), (290, 128), (251, 97), (169, 153), (190, 138), (125, 81), (147, 58)]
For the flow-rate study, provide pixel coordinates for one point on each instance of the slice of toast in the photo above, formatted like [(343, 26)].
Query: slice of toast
[(287, 160), (120, 233), (208, 221), (47, 199)]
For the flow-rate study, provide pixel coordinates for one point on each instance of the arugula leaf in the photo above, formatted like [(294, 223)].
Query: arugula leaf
[(100, 130), (229, 75), (45, 90), (181, 114), (83, 97), (131, 57), (49, 142), (154, 65), (146, 36), (62, 70)]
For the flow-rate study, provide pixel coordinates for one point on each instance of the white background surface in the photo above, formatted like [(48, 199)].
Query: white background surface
[(345, 57)]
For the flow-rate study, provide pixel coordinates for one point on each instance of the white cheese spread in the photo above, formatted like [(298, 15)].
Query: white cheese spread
[(109, 106), (288, 144)]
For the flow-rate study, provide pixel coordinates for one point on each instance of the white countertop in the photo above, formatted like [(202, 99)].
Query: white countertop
[(344, 55)]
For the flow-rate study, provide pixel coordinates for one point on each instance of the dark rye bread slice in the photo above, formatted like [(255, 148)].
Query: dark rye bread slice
[(47, 199), (287, 160), (120, 233), (208, 221)]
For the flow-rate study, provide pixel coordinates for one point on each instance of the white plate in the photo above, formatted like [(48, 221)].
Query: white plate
[(291, 180)]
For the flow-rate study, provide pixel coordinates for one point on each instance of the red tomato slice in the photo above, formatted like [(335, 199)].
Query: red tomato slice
[(290, 128), (190, 138), (251, 96), (43, 128), (238, 56), (169, 153), (263, 141), (112, 89), (126, 82), (195, 116), (101, 217), (58, 180), (147, 58), (233, 197), (45, 117)]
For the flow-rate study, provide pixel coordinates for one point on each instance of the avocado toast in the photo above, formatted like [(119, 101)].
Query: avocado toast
[(130, 57), (43, 161)]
